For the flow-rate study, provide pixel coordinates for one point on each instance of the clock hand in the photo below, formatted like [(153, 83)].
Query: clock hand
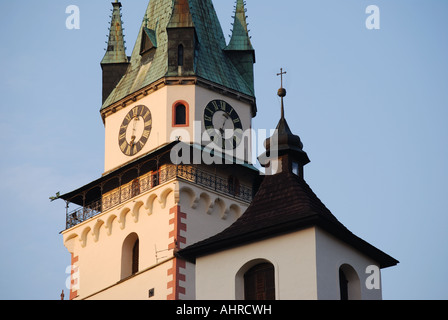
[(134, 129), (225, 120)]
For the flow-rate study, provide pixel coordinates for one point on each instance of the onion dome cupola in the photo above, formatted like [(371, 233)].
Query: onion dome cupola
[(284, 150)]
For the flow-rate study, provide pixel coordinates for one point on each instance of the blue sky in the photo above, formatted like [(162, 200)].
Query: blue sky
[(371, 107)]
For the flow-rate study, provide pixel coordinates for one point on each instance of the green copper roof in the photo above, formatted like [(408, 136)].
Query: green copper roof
[(240, 35), (181, 17), (151, 36), (211, 62), (116, 52)]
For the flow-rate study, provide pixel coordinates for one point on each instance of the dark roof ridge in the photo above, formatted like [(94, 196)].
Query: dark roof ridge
[(261, 221), (304, 206)]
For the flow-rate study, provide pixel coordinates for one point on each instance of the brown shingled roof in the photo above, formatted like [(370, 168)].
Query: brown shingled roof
[(284, 203)]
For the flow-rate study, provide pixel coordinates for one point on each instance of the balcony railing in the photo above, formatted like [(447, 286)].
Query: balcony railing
[(229, 187)]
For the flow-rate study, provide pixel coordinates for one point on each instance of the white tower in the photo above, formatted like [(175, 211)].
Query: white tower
[(182, 90)]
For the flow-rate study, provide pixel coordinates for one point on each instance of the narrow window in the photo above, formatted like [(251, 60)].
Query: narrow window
[(180, 55), (135, 257), (349, 283), (181, 115), (259, 282), (130, 256), (343, 285), (295, 168)]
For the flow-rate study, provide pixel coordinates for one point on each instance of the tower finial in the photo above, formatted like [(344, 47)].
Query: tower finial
[(146, 19), (282, 92)]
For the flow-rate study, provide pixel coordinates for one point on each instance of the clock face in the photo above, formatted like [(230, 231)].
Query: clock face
[(135, 130), (223, 124)]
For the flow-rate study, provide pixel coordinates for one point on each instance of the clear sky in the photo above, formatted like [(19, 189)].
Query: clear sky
[(371, 107)]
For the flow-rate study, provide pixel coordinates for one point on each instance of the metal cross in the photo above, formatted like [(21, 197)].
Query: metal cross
[(146, 19), (281, 75)]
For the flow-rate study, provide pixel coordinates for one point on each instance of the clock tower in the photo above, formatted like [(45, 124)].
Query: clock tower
[(190, 84), (177, 115)]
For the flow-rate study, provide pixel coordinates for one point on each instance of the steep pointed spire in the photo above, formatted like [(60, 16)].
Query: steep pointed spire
[(240, 49), (240, 35), (115, 52), (115, 62)]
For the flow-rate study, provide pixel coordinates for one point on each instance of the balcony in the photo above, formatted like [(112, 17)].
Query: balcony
[(226, 186)]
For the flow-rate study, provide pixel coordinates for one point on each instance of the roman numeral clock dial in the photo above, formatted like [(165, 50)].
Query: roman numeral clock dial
[(223, 124), (135, 130)]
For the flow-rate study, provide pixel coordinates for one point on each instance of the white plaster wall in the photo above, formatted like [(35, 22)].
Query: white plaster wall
[(331, 254), (137, 288), (208, 212), (219, 276), (98, 242), (99, 249)]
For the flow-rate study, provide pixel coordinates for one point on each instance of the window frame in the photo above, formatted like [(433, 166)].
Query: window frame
[(187, 114), (260, 274)]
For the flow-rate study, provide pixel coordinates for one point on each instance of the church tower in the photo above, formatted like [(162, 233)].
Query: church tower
[(179, 212), (175, 114), (287, 245)]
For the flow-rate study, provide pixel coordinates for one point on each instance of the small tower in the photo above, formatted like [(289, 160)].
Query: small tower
[(240, 50), (287, 245), (115, 61), (284, 150)]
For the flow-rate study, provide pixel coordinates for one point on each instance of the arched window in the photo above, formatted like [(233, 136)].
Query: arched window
[(349, 284), (135, 254), (180, 114), (259, 282), (180, 55), (130, 256), (343, 285)]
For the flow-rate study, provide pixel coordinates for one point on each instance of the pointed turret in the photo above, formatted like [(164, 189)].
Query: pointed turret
[(115, 61), (284, 150), (240, 49), (240, 34)]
